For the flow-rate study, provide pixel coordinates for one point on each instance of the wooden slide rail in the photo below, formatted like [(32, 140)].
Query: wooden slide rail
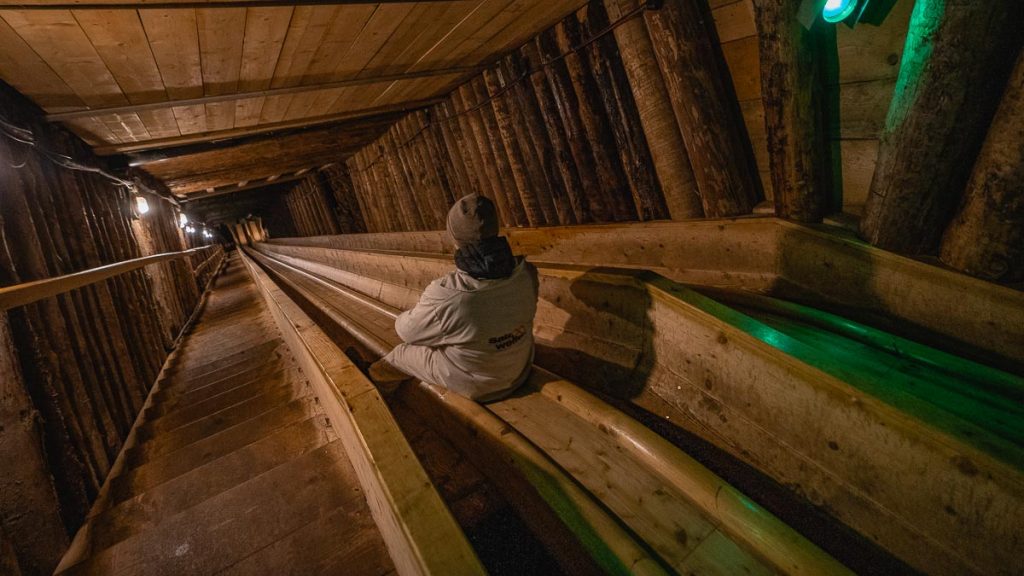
[(764, 254), (656, 490), (580, 531), (762, 396), (420, 533), (29, 292)]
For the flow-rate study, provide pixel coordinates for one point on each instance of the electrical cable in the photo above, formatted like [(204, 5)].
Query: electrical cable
[(26, 137)]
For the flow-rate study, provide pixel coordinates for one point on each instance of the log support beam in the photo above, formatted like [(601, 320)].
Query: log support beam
[(986, 238), (704, 100), (954, 67), (795, 67)]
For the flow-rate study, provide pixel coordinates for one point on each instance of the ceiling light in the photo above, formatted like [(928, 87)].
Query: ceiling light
[(141, 204), (838, 10)]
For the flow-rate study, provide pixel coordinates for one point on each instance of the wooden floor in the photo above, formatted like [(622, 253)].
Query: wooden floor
[(235, 469)]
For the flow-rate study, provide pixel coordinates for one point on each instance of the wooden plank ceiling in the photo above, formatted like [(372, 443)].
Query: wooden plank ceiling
[(128, 77)]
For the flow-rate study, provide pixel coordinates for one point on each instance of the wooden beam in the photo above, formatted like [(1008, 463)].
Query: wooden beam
[(234, 174), (135, 108), (214, 192), (795, 79), (986, 238), (957, 58), (367, 113), (29, 292)]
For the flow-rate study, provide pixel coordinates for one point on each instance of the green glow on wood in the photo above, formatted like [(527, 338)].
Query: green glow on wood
[(924, 22), (977, 404), (838, 10)]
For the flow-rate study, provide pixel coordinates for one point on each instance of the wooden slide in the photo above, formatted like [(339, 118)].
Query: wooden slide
[(935, 482), (629, 499)]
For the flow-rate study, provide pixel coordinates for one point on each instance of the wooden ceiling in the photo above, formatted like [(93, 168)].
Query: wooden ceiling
[(250, 160), (134, 76)]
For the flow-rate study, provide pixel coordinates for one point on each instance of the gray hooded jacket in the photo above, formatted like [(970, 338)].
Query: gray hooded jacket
[(472, 336)]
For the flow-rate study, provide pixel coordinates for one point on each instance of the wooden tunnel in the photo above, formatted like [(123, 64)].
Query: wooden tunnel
[(779, 249)]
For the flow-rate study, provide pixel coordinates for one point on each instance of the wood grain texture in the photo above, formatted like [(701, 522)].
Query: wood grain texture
[(696, 76), (794, 83), (668, 152), (948, 88), (986, 237)]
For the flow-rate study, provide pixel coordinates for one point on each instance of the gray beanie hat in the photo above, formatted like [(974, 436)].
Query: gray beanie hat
[(473, 218)]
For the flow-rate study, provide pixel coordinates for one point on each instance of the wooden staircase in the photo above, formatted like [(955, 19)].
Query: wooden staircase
[(233, 467)]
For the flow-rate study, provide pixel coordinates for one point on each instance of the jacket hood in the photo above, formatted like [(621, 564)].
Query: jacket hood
[(460, 281)]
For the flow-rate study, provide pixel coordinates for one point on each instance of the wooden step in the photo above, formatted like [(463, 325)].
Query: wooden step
[(233, 461), (156, 469), (183, 415), (336, 542), (165, 498), (233, 415), (224, 362), (233, 525), (172, 398)]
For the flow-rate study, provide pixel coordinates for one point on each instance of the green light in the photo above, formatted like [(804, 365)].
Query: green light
[(837, 10)]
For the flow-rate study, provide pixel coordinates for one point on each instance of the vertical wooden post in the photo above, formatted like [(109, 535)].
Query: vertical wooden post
[(539, 137), (31, 510), (540, 186), (986, 238), (465, 156), (361, 190), (704, 101), (608, 202), (794, 78), (442, 162), (490, 88), (668, 152), (564, 128), (954, 67), (489, 139), (403, 191), (387, 189), (615, 95)]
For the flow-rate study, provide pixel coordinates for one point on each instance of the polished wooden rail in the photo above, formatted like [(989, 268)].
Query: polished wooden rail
[(651, 486), (708, 392), (29, 292)]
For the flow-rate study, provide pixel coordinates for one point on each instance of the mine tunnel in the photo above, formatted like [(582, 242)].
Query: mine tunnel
[(775, 250)]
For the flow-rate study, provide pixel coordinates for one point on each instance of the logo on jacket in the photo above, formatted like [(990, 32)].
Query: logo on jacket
[(507, 340)]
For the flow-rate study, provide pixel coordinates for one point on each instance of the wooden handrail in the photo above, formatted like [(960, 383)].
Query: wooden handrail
[(36, 290), (202, 267)]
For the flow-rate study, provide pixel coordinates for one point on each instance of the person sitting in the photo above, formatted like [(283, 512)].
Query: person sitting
[(472, 329)]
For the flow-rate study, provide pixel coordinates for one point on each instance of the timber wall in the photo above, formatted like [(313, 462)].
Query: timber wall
[(405, 179), (551, 132), (75, 369), (324, 202)]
